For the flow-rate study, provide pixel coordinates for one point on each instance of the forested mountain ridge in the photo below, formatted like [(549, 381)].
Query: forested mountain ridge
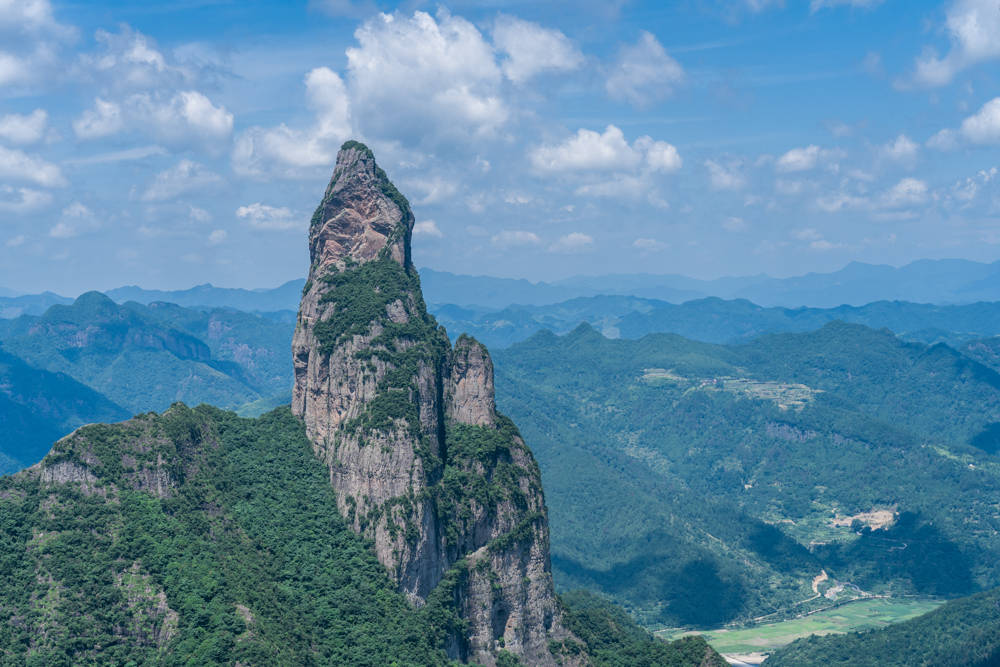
[(198, 537), (147, 357), (793, 437)]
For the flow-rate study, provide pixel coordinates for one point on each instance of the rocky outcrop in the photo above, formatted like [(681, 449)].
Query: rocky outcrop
[(422, 462), (470, 394), (69, 472), (152, 621)]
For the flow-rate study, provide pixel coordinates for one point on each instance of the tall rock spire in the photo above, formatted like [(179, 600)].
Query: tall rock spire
[(421, 461)]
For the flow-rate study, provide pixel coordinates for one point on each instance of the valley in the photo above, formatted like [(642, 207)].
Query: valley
[(753, 643)]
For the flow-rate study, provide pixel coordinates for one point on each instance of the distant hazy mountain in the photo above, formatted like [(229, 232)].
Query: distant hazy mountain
[(491, 293), (500, 328), (38, 407), (29, 304), (284, 297), (716, 320), (259, 344), (925, 281), (945, 281)]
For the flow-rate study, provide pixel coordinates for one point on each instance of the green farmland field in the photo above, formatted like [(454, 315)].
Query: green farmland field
[(859, 615)]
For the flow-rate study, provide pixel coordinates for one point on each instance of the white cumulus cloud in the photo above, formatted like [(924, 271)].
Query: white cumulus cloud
[(262, 216), (190, 112), (902, 149), (725, 176), (572, 242), (293, 152), (185, 116), (421, 75), (588, 150), (532, 49), (104, 119), (908, 192), (30, 44), (972, 27), (984, 126), (427, 228), (128, 60), (807, 158), (660, 156), (644, 72), (16, 165), (75, 219), (184, 177), (22, 200), (24, 128), (981, 128)]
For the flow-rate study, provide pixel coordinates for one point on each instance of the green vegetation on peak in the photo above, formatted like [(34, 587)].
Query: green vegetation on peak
[(360, 295), (394, 195), (351, 144)]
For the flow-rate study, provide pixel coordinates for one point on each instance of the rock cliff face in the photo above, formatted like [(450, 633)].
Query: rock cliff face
[(421, 461)]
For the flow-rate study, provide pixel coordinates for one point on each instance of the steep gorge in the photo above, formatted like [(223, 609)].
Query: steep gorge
[(422, 463)]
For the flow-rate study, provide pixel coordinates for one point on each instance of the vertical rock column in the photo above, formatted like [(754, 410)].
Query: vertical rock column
[(422, 462)]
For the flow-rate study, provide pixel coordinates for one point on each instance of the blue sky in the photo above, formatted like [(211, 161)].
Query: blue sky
[(186, 142)]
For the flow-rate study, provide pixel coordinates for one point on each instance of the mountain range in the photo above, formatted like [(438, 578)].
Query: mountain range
[(716, 320), (944, 281)]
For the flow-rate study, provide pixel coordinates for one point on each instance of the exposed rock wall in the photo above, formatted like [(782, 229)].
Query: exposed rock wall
[(470, 394), (408, 427)]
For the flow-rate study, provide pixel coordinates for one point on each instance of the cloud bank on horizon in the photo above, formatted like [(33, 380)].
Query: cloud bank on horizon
[(169, 146)]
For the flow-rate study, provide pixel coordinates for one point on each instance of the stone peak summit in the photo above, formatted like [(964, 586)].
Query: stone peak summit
[(362, 216)]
